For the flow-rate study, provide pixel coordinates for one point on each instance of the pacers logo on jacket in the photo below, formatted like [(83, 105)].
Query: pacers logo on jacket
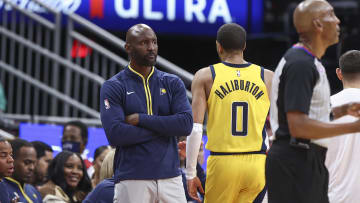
[(162, 91)]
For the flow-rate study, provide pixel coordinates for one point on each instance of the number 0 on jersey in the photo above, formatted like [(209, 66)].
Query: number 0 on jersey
[(239, 118)]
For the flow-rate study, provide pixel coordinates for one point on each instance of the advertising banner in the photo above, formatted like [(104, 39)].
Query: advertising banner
[(189, 17)]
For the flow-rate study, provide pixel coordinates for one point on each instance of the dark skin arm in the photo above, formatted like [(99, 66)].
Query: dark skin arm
[(301, 126), (352, 109), (200, 89)]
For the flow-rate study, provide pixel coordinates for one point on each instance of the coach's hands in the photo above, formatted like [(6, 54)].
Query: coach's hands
[(194, 185), (132, 119)]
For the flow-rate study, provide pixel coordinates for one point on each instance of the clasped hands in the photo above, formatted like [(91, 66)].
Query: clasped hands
[(132, 119)]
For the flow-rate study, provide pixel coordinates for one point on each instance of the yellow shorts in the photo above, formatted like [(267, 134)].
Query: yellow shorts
[(234, 178)]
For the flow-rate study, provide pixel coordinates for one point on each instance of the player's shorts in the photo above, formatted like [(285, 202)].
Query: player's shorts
[(235, 178)]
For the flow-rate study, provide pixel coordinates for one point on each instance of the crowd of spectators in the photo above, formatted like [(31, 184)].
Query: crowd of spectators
[(29, 172)]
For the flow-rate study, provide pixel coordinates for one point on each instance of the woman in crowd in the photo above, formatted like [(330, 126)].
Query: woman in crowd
[(68, 180), (99, 156)]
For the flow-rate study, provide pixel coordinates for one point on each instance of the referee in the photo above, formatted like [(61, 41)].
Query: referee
[(300, 110)]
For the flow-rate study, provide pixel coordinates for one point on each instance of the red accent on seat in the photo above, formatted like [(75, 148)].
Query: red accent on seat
[(87, 163), (80, 50)]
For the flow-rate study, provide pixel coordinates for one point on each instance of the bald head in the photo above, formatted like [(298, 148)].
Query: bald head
[(306, 12), (135, 31), (141, 46)]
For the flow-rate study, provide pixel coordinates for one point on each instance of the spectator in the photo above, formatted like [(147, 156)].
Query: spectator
[(107, 167), (200, 173), (68, 180), (18, 184), (104, 191), (99, 156), (6, 168), (182, 156), (74, 139), (44, 157)]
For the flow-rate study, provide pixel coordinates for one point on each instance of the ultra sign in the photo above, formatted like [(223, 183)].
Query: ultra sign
[(199, 17)]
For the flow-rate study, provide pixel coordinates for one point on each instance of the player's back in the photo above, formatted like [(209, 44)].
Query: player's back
[(237, 105)]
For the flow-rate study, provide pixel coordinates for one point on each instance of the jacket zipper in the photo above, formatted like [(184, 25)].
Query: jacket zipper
[(146, 89)]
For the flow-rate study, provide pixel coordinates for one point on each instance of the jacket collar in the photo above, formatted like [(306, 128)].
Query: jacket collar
[(130, 71), (15, 182)]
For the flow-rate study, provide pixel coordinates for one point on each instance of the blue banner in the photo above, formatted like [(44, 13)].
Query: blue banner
[(189, 17), (51, 135)]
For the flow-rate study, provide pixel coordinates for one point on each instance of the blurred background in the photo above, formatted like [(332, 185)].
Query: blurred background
[(55, 54)]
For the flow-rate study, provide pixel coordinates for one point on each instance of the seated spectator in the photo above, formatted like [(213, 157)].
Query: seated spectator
[(200, 173), (68, 180), (99, 156), (104, 191), (107, 166), (74, 139), (6, 168), (44, 157), (18, 184), (182, 156)]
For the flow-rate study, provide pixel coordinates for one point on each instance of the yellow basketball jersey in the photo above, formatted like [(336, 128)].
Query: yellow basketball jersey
[(238, 105)]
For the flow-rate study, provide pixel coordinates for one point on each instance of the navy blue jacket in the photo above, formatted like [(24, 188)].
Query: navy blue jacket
[(4, 195), (149, 150), (27, 192), (102, 193)]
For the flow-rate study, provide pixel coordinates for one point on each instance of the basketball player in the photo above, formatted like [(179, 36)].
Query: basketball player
[(344, 151), (235, 94), (300, 110)]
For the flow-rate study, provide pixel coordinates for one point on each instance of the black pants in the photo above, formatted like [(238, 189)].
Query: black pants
[(296, 175)]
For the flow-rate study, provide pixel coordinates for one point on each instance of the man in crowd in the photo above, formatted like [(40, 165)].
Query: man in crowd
[(75, 138), (44, 155), (18, 184)]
